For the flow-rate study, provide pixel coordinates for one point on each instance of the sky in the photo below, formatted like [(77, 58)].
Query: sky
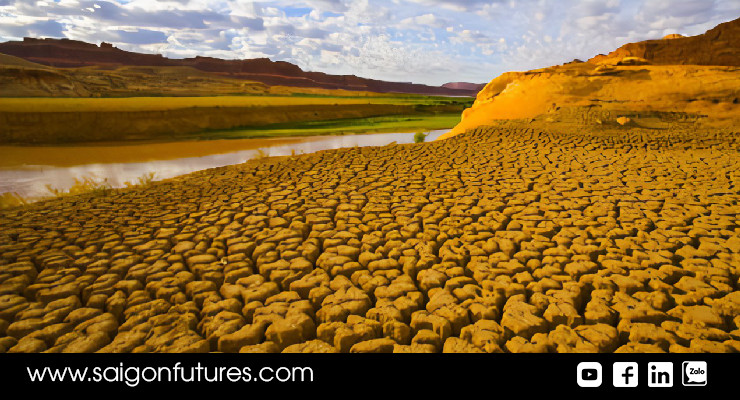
[(420, 41)]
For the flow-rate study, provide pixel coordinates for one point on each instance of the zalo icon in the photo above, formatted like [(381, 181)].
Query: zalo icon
[(694, 373)]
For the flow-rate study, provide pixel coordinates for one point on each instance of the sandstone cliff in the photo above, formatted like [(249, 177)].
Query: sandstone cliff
[(647, 83), (718, 46)]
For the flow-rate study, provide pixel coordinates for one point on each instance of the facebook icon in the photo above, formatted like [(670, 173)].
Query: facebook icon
[(624, 374)]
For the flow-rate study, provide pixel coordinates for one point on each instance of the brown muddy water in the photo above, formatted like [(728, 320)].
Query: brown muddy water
[(27, 170)]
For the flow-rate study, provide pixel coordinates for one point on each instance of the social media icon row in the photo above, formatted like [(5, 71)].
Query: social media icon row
[(660, 374)]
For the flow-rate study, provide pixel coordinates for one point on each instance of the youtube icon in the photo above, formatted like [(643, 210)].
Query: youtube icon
[(589, 374)]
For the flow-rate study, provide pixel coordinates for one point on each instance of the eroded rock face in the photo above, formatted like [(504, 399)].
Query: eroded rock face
[(693, 76), (503, 239), (600, 95), (718, 46)]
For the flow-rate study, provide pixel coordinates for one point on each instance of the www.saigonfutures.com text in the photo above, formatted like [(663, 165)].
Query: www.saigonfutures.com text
[(134, 375)]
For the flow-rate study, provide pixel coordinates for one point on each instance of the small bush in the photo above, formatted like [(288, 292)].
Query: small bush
[(84, 185), (144, 180), (420, 137), (81, 186), (10, 200)]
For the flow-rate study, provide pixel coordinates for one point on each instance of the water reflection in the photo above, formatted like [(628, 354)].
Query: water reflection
[(30, 176)]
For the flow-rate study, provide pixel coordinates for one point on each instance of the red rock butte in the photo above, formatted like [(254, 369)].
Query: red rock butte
[(67, 53)]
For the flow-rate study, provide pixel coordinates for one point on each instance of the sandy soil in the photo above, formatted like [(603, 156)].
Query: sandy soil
[(507, 239)]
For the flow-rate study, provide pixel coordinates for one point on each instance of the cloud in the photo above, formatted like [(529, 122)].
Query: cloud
[(458, 5), (34, 29), (139, 36), (426, 41), (425, 20), (677, 14)]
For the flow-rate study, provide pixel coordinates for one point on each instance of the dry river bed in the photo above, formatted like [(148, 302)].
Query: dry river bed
[(504, 239)]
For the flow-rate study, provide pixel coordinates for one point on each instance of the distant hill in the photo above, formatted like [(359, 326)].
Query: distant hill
[(67, 53), (12, 61), (464, 86)]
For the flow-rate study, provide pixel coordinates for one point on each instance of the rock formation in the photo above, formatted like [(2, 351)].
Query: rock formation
[(718, 46), (693, 76), (71, 53)]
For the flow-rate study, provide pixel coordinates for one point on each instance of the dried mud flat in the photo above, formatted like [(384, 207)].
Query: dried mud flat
[(508, 239)]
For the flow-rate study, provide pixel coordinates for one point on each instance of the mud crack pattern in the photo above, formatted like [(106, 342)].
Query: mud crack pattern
[(498, 240)]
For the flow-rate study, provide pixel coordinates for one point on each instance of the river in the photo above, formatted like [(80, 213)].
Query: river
[(30, 170)]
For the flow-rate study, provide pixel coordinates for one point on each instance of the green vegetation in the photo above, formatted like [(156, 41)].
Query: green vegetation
[(128, 104), (72, 120), (420, 137), (144, 180), (81, 186), (86, 185), (394, 123), (11, 200)]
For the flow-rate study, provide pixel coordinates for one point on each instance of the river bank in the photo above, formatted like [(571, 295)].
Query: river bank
[(76, 120), (32, 172)]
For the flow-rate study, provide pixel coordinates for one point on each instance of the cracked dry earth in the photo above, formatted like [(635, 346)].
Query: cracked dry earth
[(499, 240)]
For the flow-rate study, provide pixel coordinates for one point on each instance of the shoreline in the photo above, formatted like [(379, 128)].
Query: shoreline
[(75, 170), (69, 121), (16, 156)]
